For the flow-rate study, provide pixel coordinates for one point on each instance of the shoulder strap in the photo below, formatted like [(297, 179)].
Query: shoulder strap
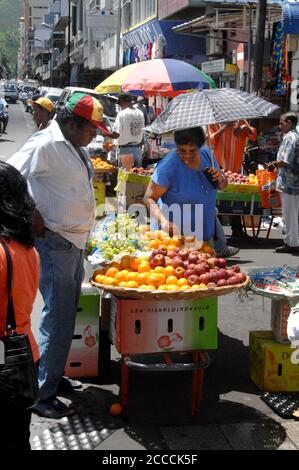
[(10, 317)]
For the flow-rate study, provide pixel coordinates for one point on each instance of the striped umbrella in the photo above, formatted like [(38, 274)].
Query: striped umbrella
[(205, 107), (164, 77)]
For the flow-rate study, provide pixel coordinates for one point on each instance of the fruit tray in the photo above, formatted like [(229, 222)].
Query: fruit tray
[(286, 405), (189, 294)]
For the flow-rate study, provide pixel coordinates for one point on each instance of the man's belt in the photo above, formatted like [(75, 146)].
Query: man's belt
[(130, 145)]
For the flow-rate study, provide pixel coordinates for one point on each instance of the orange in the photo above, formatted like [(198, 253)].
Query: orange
[(159, 269), (155, 243), (161, 277), (125, 262), (122, 275), (144, 258), (147, 287), (132, 284), (134, 263), (108, 281), (182, 282), (203, 286), (184, 287), (100, 278), (132, 276), (116, 409), (167, 240), (195, 286), (207, 249), (169, 270), (123, 284), (163, 287), (142, 278), (98, 272), (172, 247), (144, 267), (173, 287), (154, 279), (111, 272), (171, 280)]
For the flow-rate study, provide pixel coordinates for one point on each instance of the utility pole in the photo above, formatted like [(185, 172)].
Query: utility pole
[(118, 31), (259, 45), (69, 45), (249, 50)]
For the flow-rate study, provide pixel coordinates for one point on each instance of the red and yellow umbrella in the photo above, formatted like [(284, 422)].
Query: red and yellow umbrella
[(164, 77)]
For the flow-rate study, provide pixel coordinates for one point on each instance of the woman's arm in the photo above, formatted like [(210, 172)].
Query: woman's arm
[(152, 194)]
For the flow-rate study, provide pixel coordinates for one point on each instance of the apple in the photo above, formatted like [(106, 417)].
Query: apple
[(233, 280), (162, 250), (158, 260), (193, 279), (186, 264), (193, 258), (221, 262), (221, 283), (177, 262), (230, 272), (183, 254), (164, 341), (204, 278), (168, 261), (171, 253), (235, 268), (179, 272), (241, 277), (155, 252), (211, 284), (212, 261), (223, 273), (191, 265), (189, 272), (199, 269)]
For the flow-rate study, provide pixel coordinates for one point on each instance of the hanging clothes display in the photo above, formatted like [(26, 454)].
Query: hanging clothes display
[(280, 61)]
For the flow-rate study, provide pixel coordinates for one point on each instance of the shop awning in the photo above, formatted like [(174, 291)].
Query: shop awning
[(231, 17), (291, 18)]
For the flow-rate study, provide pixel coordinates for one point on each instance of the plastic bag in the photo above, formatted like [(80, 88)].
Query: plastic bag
[(270, 198)]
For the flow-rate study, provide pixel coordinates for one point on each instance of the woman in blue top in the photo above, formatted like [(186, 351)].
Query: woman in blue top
[(181, 197)]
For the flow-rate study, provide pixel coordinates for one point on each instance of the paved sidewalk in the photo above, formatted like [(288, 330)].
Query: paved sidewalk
[(232, 415)]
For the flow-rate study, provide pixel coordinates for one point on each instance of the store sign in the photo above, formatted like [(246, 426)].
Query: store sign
[(213, 66), (231, 68)]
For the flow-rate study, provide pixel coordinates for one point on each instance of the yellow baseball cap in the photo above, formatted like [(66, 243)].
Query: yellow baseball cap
[(44, 103)]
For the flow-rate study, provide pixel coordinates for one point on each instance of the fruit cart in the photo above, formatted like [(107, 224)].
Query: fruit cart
[(164, 309)]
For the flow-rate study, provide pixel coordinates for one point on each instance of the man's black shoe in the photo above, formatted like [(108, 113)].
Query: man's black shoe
[(67, 385), (287, 249)]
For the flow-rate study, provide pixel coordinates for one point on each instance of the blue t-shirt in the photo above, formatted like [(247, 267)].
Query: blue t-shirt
[(188, 188)]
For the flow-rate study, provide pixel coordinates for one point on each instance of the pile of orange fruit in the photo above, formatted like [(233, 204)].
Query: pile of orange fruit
[(100, 164)]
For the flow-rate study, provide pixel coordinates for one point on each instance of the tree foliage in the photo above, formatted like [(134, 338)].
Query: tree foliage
[(10, 13)]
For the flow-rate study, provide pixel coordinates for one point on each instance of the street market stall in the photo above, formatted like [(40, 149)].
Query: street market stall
[(164, 301)]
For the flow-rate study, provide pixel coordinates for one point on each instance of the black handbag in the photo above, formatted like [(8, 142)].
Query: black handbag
[(18, 377)]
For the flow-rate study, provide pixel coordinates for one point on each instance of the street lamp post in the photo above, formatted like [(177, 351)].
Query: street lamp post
[(51, 27), (39, 40)]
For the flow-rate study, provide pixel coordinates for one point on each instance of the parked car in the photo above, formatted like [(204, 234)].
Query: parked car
[(53, 94), (109, 102), (11, 93)]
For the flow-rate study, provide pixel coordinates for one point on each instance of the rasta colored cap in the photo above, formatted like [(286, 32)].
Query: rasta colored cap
[(87, 107)]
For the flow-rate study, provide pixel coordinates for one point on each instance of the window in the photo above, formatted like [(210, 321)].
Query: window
[(74, 20)]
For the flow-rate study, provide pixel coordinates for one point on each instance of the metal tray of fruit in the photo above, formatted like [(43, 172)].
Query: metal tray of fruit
[(189, 294)]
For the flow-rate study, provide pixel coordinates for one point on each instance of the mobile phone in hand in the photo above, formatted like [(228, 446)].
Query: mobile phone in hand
[(209, 176)]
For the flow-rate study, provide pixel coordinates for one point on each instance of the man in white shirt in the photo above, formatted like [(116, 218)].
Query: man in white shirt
[(128, 129), (59, 173)]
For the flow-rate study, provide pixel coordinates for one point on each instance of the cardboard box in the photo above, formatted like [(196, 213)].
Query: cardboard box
[(280, 311), (83, 359), (270, 363), (131, 193), (99, 194), (152, 326)]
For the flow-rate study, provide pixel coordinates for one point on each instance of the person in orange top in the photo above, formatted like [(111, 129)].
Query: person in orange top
[(16, 230), (228, 142)]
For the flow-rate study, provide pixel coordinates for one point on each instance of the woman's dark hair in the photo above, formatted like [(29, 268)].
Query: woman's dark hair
[(195, 135), (16, 206), (65, 116)]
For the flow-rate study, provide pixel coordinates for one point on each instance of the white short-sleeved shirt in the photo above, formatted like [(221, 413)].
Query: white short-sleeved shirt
[(129, 125), (59, 182)]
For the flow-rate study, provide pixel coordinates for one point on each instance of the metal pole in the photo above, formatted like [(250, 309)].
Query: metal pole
[(249, 50), (52, 61), (69, 45), (259, 45), (118, 31)]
